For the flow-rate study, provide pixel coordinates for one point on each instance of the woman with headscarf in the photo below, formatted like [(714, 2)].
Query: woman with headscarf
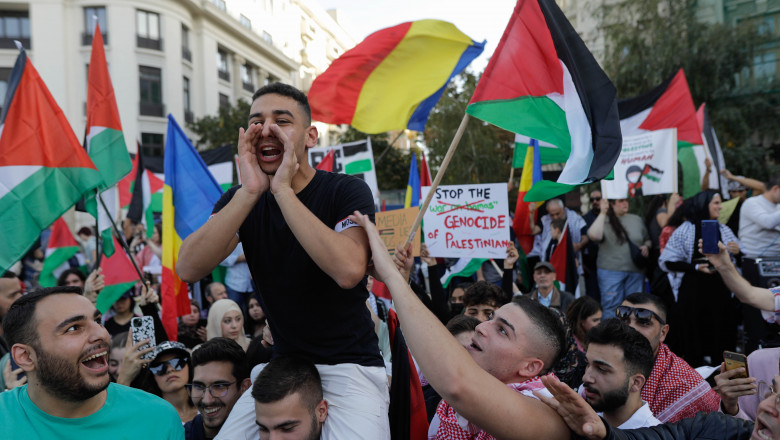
[(226, 320), (708, 323)]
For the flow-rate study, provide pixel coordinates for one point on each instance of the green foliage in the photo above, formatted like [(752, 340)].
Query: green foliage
[(215, 131), (484, 154), (647, 41)]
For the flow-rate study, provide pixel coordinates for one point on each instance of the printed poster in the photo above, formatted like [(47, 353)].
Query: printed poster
[(647, 165)]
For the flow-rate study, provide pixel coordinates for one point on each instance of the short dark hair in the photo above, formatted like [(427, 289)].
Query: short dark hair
[(640, 298), (637, 352), (209, 286), (462, 323), (289, 91), (548, 324), (9, 274), (19, 324), (483, 292), (558, 223), (222, 349), (73, 271), (286, 375)]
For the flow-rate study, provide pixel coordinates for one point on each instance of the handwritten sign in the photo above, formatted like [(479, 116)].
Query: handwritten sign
[(647, 165), (393, 227), (469, 221)]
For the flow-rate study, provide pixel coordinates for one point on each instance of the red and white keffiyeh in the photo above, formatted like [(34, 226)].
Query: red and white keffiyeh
[(675, 391), (449, 425)]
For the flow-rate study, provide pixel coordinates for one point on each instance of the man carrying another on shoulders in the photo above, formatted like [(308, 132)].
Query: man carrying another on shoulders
[(306, 257)]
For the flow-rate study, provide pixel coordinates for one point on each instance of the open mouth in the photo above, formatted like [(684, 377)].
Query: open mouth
[(210, 411), (474, 346), (761, 431), (270, 152), (97, 362)]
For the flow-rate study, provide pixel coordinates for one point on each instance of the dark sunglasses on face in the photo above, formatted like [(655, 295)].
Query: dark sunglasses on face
[(161, 368), (643, 316)]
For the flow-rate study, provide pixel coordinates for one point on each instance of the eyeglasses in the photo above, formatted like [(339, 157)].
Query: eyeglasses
[(595, 199), (219, 389), (161, 368), (643, 316), (766, 391)]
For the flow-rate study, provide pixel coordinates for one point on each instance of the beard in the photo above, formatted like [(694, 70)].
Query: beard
[(62, 378), (316, 428), (610, 400)]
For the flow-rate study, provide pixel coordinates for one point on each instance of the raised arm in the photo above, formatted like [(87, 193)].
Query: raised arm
[(757, 297), (342, 255), (482, 399), (596, 231), (205, 248)]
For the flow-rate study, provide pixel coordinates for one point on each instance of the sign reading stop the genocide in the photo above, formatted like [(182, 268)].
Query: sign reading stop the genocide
[(469, 221)]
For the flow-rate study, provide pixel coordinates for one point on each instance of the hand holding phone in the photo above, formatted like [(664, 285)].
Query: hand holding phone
[(143, 328), (735, 360)]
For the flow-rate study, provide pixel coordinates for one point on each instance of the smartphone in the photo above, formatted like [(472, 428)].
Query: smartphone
[(143, 328), (710, 232), (15, 366), (203, 322), (735, 360)]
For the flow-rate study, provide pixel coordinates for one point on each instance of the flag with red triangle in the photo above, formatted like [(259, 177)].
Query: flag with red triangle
[(407, 413), (425, 173), (43, 168), (62, 246), (125, 186), (327, 162), (120, 276), (668, 105)]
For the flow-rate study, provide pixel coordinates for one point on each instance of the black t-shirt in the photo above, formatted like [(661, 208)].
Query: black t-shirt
[(309, 314)]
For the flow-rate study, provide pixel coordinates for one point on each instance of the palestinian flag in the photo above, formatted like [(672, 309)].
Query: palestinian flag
[(648, 172), (464, 267), (120, 276), (532, 173), (43, 168), (425, 173), (104, 141), (125, 186), (669, 105), (326, 164), (543, 83), (146, 184), (563, 260), (62, 247), (714, 152)]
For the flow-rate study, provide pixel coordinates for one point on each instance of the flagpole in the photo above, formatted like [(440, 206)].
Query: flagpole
[(437, 179), (390, 145), (98, 250), (500, 272), (122, 241)]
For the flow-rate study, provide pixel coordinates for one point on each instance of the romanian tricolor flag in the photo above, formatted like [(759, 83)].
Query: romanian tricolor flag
[(120, 276), (669, 105), (43, 168), (189, 195), (532, 173), (542, 82), (61, 247), (413, 185), (392, 79)]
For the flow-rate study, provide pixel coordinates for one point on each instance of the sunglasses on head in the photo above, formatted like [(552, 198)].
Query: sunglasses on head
[(643, 316), (161, 368)]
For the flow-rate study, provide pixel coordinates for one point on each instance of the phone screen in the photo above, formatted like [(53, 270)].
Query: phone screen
[(709, 236), (15, 366)]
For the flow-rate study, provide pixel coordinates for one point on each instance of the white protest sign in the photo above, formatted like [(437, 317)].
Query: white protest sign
[(469, 221), (647, 165)]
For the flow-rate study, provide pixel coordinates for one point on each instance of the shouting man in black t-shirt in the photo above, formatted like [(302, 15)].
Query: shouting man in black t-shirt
[(307, 260)]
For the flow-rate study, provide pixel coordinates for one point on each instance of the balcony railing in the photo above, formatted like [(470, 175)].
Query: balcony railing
[(149, 43), (189, 117), (86, 39), (249, 87), (186, 54), (151, 109), (223, 74)]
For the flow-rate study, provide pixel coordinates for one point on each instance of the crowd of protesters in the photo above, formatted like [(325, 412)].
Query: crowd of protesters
[(300, 338)]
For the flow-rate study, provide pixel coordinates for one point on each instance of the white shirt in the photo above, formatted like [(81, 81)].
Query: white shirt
[(759, 228), (642, 418)]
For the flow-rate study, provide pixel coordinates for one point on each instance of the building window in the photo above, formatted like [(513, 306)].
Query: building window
[(267, 37), (247, 77), (222, 65), (151, 91), (14, 25), (220, 4), (152, 144), (147, 27), (5, 75), (188, 117), (246, 22), (224, 101), (185, 43), (89, 24)]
